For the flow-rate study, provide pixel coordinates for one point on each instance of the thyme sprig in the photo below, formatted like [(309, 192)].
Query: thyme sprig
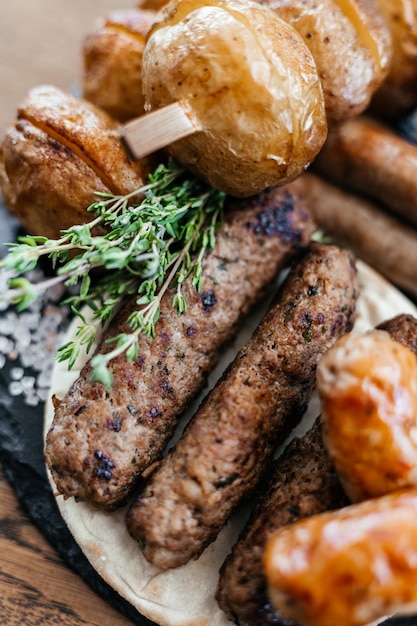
[(152, 239)]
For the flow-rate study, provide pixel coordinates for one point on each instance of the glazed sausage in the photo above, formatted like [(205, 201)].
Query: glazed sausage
[(303, 483), (228, 445), (102, 440), (368, 389), (347, 567)]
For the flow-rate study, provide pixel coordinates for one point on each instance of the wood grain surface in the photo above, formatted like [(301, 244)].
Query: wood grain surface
[(40, 42)]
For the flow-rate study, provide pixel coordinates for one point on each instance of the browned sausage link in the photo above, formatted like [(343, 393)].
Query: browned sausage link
[(302, 483), (227, 445), (380, 240), (363, 155), (101, 440)]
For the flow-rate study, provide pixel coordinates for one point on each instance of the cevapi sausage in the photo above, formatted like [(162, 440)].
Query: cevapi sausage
[(221, 457), (364, 155), (382, 241), (362, 555), (302, 483), (101, 440)]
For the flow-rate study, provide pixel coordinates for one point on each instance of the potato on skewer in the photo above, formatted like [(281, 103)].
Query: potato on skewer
[(351, 45), (112, 63), (251, 83), (398, 93), (60, 151)]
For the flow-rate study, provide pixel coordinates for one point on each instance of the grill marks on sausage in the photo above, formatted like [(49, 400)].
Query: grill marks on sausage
[(132, 423), (228, 445)]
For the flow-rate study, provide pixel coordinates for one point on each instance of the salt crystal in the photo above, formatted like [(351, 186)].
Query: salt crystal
[(15, 388)]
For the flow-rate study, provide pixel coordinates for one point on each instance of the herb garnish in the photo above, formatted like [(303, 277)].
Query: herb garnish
[(155, 237)]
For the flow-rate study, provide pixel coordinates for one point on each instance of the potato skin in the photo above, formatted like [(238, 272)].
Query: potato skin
[(60, 151), (398, 93), (351, 44), (252, 83), (112, 62)]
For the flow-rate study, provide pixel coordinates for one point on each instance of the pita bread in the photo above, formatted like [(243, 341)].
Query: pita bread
[(185, 596)]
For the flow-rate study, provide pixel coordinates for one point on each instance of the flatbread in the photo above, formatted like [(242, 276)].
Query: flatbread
[(185, 596)]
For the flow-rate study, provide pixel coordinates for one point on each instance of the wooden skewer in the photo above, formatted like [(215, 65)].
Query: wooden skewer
[(158, 129)]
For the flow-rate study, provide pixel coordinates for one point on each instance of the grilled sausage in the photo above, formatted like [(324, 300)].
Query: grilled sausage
[(368, 388), (402, 328), (101, 440), (303, 483), (382, 241), (364, 155), (347, 567), (221, 456)]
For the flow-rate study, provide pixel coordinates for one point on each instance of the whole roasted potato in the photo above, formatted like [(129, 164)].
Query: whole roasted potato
[(351, 44), (112, 62), (60, 151), (398, 93), (252, 83)]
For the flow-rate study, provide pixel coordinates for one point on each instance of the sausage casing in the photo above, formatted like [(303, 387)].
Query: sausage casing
[(228, 445), (347, 567), (101, 440), (303, 482)]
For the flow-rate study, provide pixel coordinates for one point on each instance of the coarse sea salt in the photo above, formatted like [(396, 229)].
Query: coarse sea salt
[(29, 341)]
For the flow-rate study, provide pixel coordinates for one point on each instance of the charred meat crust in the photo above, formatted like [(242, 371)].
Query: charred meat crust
[(229, 443), (402, 328), (102, 440), (302, 483)]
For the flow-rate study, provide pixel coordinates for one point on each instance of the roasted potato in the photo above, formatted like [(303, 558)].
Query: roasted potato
[(398, 93), (112, 62), (351, 44), (60, 151), (252, 83)]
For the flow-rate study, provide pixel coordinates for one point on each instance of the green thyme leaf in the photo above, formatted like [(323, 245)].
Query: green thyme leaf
[(154, 238)]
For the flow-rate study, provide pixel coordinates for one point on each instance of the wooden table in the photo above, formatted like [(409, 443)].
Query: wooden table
[(40, 42)]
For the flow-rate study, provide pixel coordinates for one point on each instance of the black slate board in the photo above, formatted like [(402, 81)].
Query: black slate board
[(21, 456)]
